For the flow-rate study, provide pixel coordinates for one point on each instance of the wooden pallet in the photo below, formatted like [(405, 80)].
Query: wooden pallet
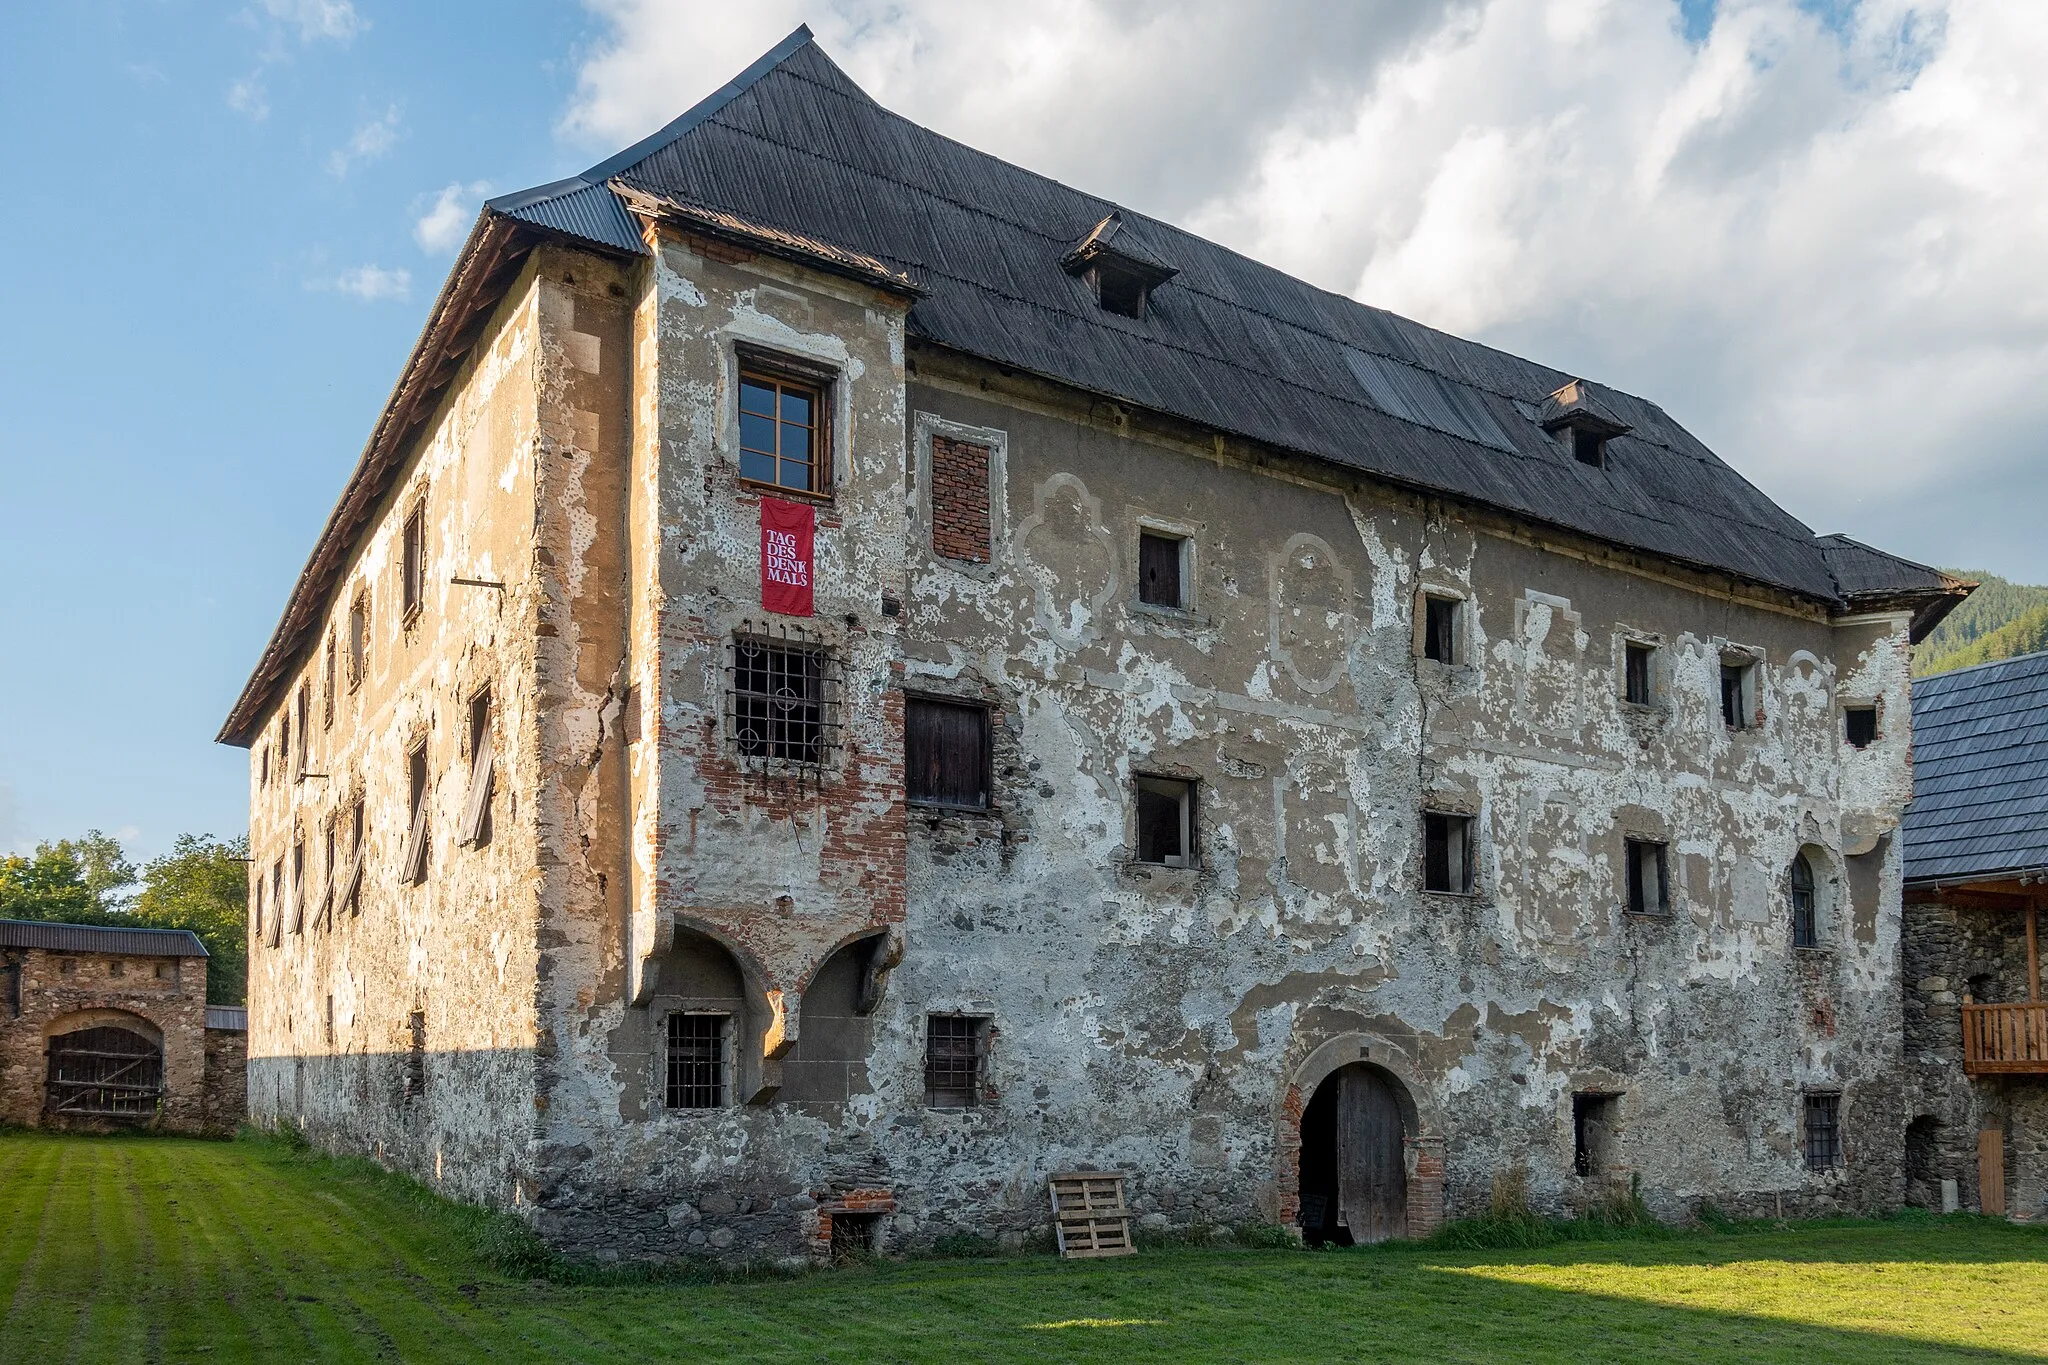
[(1089, 1214)]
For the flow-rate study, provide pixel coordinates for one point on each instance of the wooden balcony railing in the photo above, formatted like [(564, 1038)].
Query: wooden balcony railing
[(2005, 1038)]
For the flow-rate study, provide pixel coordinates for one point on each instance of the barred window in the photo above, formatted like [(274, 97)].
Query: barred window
[(696, 1060), (1823, 1132), (954, 1045), (783, 700)]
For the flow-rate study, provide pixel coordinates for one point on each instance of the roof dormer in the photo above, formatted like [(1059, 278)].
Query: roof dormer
[(1119, 271), (1576, 417)]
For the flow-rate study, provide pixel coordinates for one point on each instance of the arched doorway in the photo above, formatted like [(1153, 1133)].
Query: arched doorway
[(1354, 1167), (109, 1067)]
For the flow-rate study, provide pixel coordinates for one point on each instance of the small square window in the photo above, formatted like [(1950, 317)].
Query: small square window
[(1738, 695), (1823, 1132), (955, 1046), (1447, 852), (1166, 814), (945, 753), (1120, 291), (782, 427), (1159, 569), (1636, 665), (1648, 885), (697, 1065), (1589, 447), (1859, 725), (1440, 629)]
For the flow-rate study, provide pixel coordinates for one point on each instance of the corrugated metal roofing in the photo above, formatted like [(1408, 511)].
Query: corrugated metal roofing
[(1980, 771), (1228, 343), (234, 1018), (100, 938)]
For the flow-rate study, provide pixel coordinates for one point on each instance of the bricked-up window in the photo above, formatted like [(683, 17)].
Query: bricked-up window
[(1447, 852), (416, 1055), (782, 431), (1805, 920), (1159, 566), (1166, 821), (358, 639), (1440, 629), (961, 527), (697, 1065), (476, 808), (955, 1049), (783, 702), (1636, 660), (1823, 1132), (412, 863), (413, 568), (1649, 891), (946, 753), (1738, 694), (1859, 725)]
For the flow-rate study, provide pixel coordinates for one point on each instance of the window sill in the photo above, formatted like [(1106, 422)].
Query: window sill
[(946, 808), (1451, 895), (1182, 616), (776, 490)]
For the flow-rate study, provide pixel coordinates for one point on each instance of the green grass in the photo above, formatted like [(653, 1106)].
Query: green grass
[(145, 1249)]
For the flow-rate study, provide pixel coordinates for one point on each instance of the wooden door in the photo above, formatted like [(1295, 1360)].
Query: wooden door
[(1372, 1175), (1991, 1172)]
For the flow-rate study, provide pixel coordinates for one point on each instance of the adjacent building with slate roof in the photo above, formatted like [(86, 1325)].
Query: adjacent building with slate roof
[(851, 676), (1976, 840)]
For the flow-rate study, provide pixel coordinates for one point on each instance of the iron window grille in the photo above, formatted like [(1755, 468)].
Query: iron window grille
[(1823, 1132), (697, 1060), (782, 699), (954, 1045)]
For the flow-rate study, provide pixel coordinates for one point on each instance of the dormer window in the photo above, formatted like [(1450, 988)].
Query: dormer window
[(1581, 422), (1120, 273)]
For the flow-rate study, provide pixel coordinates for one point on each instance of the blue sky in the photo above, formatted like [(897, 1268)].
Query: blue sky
[(1810, 228)]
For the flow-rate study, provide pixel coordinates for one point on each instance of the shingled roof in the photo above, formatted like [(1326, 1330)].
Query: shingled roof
[(1980, 772), (795, 156)]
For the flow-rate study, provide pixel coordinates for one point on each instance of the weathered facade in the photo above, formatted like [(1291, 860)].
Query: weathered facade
[(1977, 882), (109, 1027), (1238, 737)]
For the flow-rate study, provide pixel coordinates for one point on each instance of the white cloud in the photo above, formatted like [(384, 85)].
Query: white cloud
[(368, 282), (370, 141), (310, 21), (441, 228), (1813, 236), (315, 21)]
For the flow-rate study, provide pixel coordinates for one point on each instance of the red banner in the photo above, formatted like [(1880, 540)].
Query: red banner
[(786, 537)]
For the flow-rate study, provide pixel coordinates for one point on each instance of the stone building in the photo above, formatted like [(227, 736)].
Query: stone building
[(1976, 882), (851, 676), (109, 1027)]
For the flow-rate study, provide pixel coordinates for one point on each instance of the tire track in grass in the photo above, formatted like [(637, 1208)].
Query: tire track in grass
[(54, 1305), (20, 1162), (107, 1308), (227, 1222), (23, 1303), (223, 1284)]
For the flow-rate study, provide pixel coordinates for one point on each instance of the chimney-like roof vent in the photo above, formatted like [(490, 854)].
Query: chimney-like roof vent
[(1574, 414)]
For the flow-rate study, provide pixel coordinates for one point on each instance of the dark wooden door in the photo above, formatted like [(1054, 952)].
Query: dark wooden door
[(1372, 1175)]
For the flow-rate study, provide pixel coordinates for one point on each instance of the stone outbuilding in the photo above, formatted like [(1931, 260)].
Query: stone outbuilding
[(109, 1027), (851, 677), (1976, 894)]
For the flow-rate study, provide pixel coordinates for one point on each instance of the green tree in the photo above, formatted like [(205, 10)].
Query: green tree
[(202, 884)]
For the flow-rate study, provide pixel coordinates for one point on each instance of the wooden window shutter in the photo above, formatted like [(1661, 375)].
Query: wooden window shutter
[(946, 753), (476, 811)]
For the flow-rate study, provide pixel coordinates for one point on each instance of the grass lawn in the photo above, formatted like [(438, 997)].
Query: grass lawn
[(145, 1249)]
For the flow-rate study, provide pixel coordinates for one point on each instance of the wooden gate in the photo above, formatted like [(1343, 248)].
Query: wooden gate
[(1372, 1173), (104, 1072)]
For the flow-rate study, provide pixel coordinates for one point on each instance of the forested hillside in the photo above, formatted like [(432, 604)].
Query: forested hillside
[(1997, 621)]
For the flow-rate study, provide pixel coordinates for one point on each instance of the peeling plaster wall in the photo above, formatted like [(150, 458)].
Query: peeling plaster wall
[(331, 988), (1171, 1022)]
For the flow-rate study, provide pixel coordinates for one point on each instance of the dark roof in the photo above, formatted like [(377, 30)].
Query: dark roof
[(1871, 580), (234, 1018), (100, 938), (793, 150), (1980, 771)]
